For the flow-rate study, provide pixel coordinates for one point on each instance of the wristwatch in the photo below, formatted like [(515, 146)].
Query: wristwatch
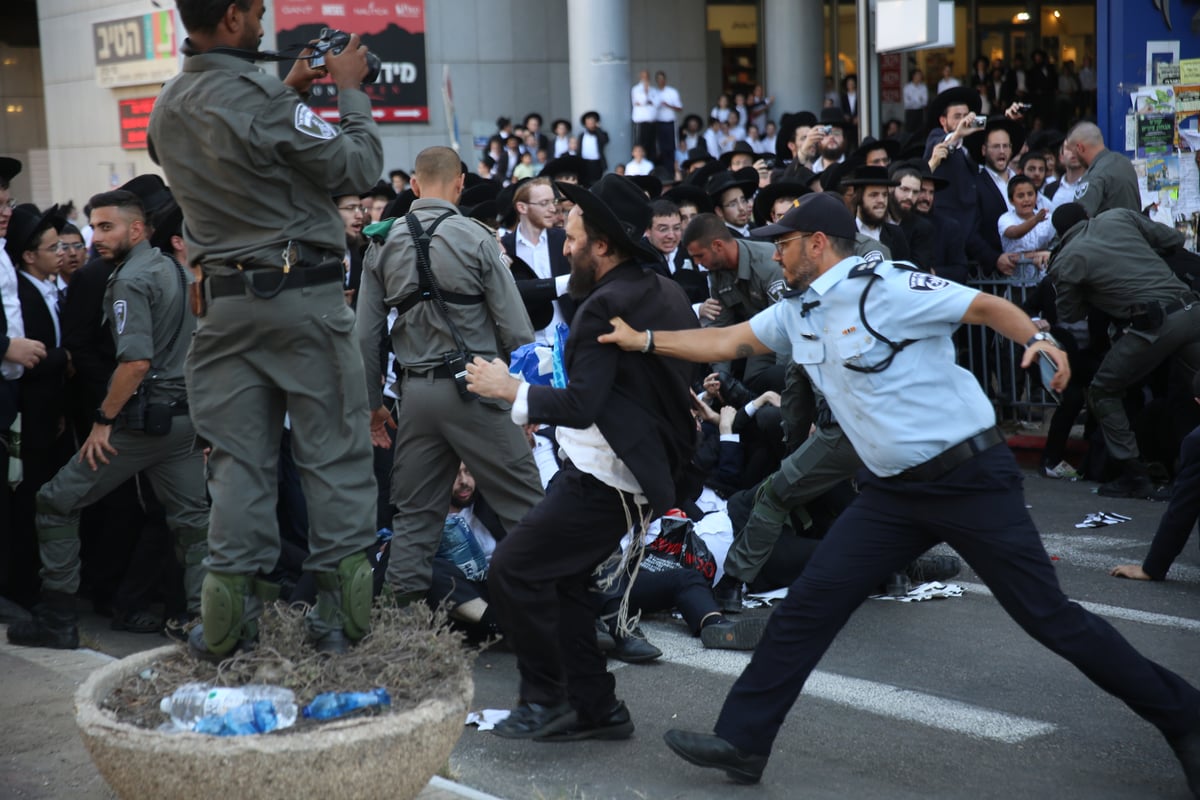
[(100, 419), (1042, 336)]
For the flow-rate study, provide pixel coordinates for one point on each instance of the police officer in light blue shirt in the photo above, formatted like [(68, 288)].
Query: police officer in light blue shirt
[(875, 339)]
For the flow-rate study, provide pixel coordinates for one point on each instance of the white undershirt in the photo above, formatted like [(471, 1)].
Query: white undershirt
[(537, 255), (49, 292), (10, 370)]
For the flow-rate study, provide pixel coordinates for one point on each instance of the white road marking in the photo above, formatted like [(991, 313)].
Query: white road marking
[(1104, 610), (679, 647)]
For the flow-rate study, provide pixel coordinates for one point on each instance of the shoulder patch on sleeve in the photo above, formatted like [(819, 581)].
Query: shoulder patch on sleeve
[(777, 290), (923, 282), (120, 310), (308, 123), (873, 257), (1081, 189)]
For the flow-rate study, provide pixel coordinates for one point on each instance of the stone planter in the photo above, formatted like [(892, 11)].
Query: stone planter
[(390, 756)]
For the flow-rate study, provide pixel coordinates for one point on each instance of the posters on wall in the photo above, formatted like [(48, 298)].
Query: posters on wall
[(394, 31)]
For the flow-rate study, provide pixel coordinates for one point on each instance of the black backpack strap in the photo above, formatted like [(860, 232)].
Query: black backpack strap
[(425, 290)]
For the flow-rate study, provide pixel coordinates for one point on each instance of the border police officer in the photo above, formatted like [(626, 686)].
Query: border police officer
[(876, 341), (141, 426), (253, 167)]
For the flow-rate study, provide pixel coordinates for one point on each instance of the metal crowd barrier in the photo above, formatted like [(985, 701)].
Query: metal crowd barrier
[(995, 361)]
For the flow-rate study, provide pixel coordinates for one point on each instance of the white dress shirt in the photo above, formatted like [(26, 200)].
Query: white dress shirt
[(537, 255), (49, 293), (10, 370), (668, 101)]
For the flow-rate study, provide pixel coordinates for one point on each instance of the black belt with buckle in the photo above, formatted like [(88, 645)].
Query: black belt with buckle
[(952, 457), (267, 281), (440, 371)]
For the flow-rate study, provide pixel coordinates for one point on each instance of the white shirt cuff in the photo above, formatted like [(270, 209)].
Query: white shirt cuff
[(731, 437), (560, 284), (696, 309), (520, 406), (751, 409)]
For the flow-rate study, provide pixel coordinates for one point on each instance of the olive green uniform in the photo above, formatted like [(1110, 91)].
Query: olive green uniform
[(436, 428), (253, 169), (1111, 263), (1109, 183), (145, 304), (756, 283)]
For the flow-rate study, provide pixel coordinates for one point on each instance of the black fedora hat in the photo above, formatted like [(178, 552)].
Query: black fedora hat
[(766, 197), (788, 124), (505, 208), (834, 118), (541, 312), (700, 177), (25, 225), (381, 189), (618, 209), (650, 184), (554, 125), (584, 117), (978, 140), (957, 96), (833, 178), (870, 176), (151, 190), (488, 190), (556, 168), (869, 143), (725, 180), (167, 222), (695, 156), (9, 168), (689, 194), (742, 147), (399, 206), (1048, 140)]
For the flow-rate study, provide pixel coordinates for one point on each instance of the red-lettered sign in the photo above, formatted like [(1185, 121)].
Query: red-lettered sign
[(134, 114), (395, 31), (891, 86)]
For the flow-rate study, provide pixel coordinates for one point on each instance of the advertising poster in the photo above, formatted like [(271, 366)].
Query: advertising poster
[(394, 31), (1187, 116)]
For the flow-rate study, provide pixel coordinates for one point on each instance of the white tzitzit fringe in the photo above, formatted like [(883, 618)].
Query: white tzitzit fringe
[(616, 565)]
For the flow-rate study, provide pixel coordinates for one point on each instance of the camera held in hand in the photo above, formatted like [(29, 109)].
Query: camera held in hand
[(335, 41), (980, 122)]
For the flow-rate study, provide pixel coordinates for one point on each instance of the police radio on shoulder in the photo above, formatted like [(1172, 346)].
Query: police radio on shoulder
[(1042, 336)]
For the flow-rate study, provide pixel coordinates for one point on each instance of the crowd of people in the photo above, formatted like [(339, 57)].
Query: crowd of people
[(176, 442)]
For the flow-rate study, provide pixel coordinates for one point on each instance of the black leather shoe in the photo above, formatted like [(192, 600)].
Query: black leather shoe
[(743, 634), (706, 750), (933, 568), (52, 626), (530, 721), (1187, 750), (604, 639), (729, 599), (634, 649), (617, 724)]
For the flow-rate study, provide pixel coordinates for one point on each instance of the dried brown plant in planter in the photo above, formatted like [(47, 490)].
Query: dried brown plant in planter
[(411, 652)]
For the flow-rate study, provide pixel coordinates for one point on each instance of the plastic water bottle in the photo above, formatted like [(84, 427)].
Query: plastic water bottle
[(194, 701), (331, 705), (248, 718), (460, 547)]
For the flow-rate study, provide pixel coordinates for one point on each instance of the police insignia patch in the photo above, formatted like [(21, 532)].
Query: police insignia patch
[(308, 123), (777, 290), (922, 282), (873, 257), (119, 315), (1081, 189)]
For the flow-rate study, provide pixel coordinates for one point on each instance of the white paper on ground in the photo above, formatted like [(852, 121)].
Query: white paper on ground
[(488, 718)]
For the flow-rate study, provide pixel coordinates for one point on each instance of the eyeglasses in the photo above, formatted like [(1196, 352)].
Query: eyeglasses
[(542, 203), (67, 246), (57, 247), (10, 205), (737, 202), (781, 242), (353, 209)]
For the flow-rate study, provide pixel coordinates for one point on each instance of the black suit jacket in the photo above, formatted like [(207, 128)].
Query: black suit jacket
[(538, 293), (641, 403), (356, 251), (892, 237), (42, 395), (922, 241), (950, 255), (9, 390), (992, 206)]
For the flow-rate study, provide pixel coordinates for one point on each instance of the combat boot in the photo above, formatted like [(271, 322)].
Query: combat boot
[(230, 607), (342, 614), (54, 624)]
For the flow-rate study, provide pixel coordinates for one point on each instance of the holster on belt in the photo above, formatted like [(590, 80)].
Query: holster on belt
[(1146, 317), (196, 293)]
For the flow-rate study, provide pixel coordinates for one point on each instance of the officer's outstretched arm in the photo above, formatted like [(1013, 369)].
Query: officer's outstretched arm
[(1011, 322), (700, 345)]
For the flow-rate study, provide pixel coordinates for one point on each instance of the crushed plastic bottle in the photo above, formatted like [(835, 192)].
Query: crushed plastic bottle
[(194, 701), (248, 718), (331, 705)]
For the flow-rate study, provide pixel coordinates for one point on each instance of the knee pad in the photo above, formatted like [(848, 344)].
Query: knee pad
[(222, 607), (358, 589)]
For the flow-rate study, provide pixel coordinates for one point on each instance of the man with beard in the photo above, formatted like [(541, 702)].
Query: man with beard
[(950, 253), (625, 429), (929, 477), (141, 425), (536, 247), (832, 149), (253, 168), (871, 203), (472, 309), (996, 145), (354, 215), (1063, 190), (918, 231)]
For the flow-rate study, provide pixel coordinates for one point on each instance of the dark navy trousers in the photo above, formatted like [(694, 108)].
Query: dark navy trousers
[(979, 510)]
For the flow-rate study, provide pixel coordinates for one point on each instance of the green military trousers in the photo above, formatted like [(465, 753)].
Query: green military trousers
[(175, 467), (253, 360)]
